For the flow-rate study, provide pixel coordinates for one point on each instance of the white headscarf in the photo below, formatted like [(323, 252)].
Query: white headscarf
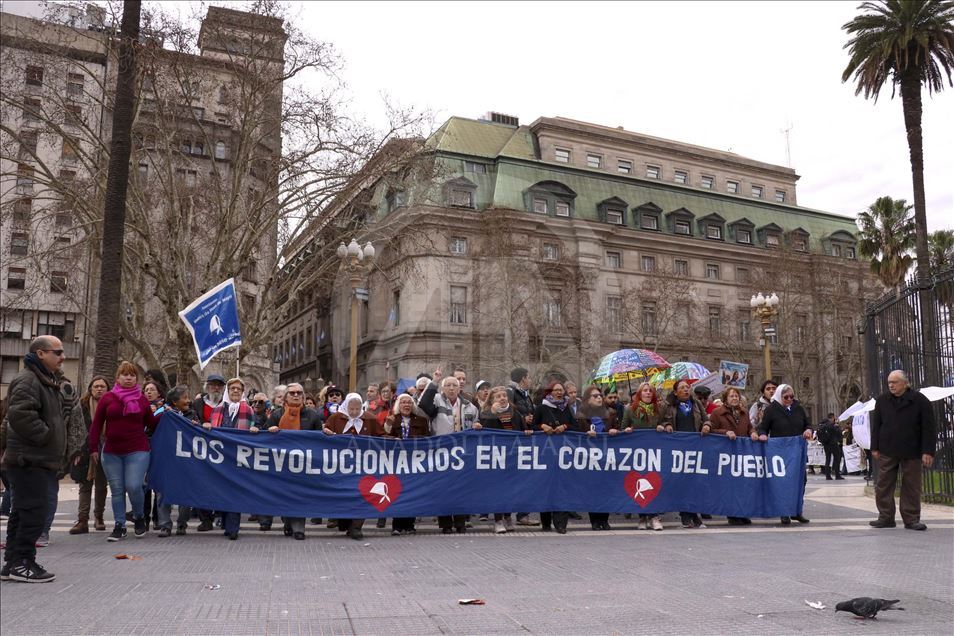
[(777, 396), (353, 422), (233, 406)]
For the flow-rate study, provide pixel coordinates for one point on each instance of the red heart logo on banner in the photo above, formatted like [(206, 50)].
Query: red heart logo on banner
[(380, 492), (642, 489)]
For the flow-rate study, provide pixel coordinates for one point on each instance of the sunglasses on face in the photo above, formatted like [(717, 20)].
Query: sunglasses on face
[(296, 393), (258, 403), (56, 352), (788, 396)]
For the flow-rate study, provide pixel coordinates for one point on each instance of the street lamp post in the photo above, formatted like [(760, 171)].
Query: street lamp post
[(765, 308), (356, 261)]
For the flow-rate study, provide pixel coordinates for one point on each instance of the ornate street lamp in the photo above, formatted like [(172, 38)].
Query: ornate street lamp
[(356, 261), (765, 309)]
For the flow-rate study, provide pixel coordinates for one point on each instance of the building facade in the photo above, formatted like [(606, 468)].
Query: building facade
[(195, 168), (549, 245)]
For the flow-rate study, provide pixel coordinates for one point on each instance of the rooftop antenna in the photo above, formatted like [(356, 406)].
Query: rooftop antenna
[(788, 143)]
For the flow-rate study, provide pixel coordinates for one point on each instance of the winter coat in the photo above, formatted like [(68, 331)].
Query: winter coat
[(637, 420), (903, 427), (721, 421), (309, 419), (671, 408), (585, 419), (419, 426), (551, 416), (829, 434), (520, 399), (777, 421), (441, 412), (489, 419), (338, 421), (39, 412)]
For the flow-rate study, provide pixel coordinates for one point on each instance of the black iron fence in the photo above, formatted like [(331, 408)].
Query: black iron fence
[(898, 330)]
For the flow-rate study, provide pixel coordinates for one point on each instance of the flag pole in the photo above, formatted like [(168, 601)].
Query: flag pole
[(237, 358)]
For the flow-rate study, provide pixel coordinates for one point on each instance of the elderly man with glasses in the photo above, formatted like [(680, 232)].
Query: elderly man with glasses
[(903, 438), (40, 404), (785, 417)]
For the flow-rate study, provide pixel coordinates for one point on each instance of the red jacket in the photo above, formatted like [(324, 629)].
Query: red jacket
[(124, 434)]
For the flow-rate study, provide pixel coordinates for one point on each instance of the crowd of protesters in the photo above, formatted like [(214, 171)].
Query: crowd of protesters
[(103, 440)]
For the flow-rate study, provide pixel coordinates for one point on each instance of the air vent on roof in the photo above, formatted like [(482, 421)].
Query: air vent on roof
[(500, 118)]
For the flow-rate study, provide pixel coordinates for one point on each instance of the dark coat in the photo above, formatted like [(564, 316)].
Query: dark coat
[(489, 419), (777, 421), (520, 399), (903, 427), (699, 415), (419, 426), (38, 414), (310, 420), (636, 420), (337, 422), (583, 420), (721, 421), (554, 417)]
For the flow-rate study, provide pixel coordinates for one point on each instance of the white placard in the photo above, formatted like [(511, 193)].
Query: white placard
[(852, 458), (861, 430)]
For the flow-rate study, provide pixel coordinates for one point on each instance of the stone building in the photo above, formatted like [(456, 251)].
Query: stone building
[(189, 154), (552, 244)]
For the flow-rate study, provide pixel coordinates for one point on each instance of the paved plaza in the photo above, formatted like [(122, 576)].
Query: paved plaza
[(722, 580)]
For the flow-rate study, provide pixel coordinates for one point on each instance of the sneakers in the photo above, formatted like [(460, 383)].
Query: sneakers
[(80, 527), (508, 524), (656, 524), (30, 572), (526, 521), (642, 524), (118, 533), (500, 528), (205, 526), (43, 540), (140, 527), (181, 531), (5, 572), (165, 532)]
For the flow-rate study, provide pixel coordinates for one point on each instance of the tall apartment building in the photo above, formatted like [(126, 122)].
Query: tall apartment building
[(549, 245), (191, 153)]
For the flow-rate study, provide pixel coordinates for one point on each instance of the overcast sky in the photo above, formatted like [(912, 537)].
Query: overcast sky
[(725, 75)]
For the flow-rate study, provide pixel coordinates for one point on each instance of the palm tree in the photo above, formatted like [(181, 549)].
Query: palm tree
[(941, 248), (909, 43), (887, 236)]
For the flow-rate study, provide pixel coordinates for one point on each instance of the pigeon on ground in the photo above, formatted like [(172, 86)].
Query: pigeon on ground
[(866, 607)]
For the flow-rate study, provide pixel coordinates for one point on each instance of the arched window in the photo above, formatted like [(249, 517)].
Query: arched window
[(220, 150)]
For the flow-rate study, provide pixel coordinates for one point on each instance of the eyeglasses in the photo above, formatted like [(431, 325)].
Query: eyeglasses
[(296, 393), (56, 352), (258, 403), (599, 395), (788, 396)]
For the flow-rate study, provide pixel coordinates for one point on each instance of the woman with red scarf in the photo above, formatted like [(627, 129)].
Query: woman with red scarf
[(645, 412), (123, 415)]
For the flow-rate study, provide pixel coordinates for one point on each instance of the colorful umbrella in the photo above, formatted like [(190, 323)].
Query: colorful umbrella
[(629, 364), (667, 378)]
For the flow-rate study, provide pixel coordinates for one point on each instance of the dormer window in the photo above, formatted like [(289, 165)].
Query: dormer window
[(646, 216), (744, 236), (614, 216), (772, 240), (680, 221), (841, 244), (612, 210), (683, 227), (712, 226), (649, 221), (460, 193), (850, 252), (397, 199), (714, 232), (551, 198)]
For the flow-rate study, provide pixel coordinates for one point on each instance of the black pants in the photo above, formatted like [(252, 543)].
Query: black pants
[(558, 519), (403, 523), (599, 518), (833, 456), (30, 505), (456, 521)]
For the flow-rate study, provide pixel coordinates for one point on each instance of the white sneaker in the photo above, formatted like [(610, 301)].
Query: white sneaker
[(499, 527), (508, 523), (657, 524), (642, 525)]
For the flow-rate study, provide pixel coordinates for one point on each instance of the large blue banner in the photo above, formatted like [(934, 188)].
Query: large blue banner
[(213, 321), (310, 474)]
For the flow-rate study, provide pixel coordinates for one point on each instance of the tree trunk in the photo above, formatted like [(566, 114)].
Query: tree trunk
[(114, 214), (911, 105)]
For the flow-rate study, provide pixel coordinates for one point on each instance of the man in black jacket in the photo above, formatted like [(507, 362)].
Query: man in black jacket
[(518, 393), (36, 444), (829, 435), (903, 437)]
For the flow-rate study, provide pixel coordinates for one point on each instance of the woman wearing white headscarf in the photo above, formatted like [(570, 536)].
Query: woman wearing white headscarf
[(785, 417), (352, 420)]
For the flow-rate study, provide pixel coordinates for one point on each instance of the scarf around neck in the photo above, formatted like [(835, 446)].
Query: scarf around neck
[(291, 418), (552, 403), (129, 397), (33, 361), (355, 423)]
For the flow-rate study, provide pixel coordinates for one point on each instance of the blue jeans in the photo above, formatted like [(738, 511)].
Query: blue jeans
[(126, 474)]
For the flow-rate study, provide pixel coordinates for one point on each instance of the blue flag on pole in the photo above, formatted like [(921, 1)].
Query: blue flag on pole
[(310, 474), (213, 320)]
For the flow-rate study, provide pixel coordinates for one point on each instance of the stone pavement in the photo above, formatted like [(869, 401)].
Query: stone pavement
[(722, 580)]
